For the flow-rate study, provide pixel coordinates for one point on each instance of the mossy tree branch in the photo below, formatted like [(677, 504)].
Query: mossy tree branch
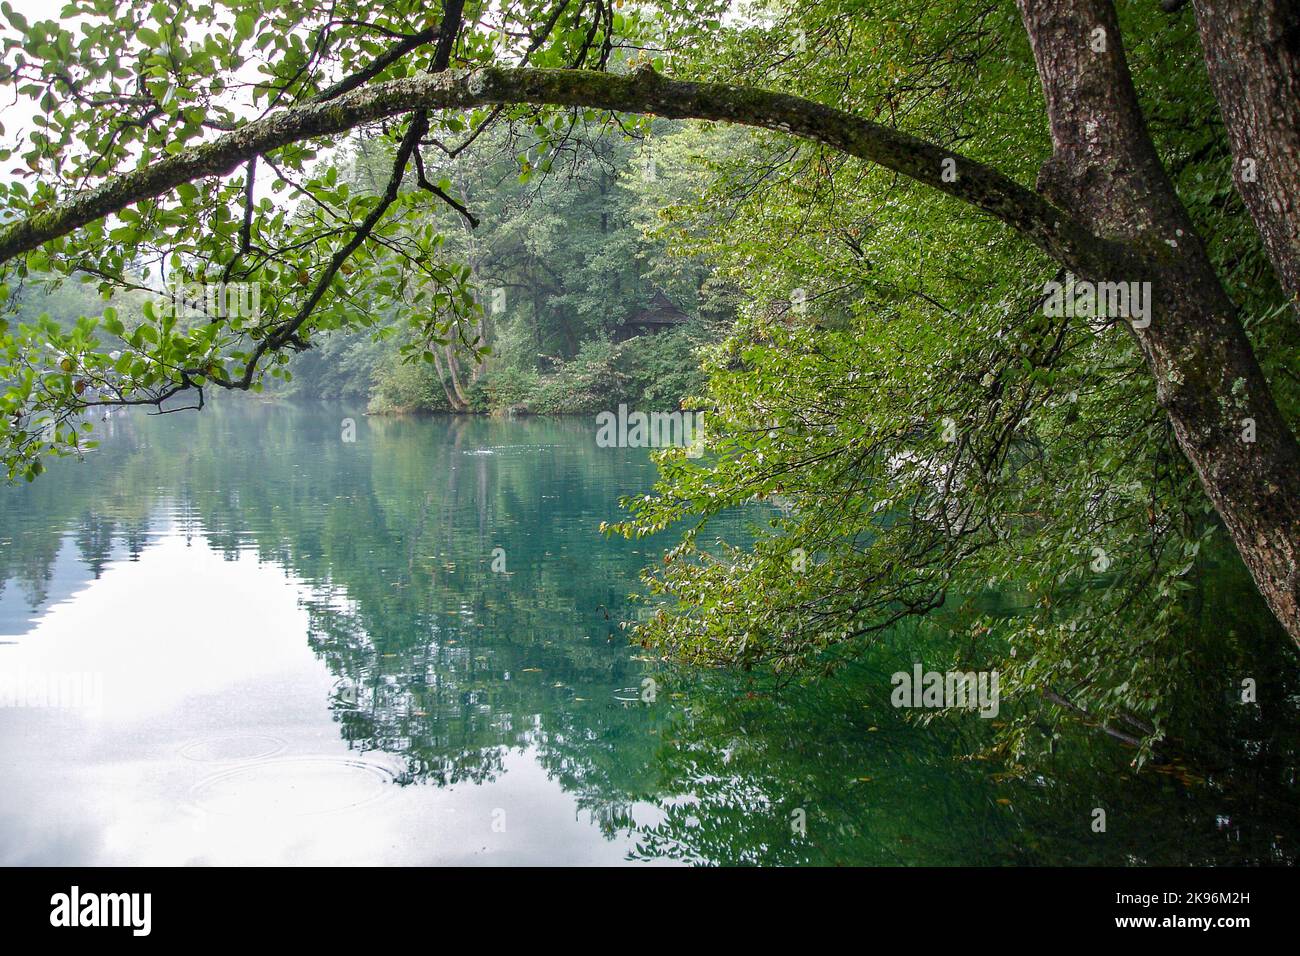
[(1045, 225)]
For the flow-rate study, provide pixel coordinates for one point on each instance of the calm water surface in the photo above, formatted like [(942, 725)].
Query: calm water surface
[(297, 650)]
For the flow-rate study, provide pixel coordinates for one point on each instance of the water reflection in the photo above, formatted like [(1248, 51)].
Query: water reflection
[(464, 691)]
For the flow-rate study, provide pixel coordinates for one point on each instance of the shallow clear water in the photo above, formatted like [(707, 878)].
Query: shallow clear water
[(281, 647)]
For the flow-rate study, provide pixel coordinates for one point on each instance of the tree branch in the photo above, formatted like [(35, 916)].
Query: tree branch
[(378, 65), (1045, 225)]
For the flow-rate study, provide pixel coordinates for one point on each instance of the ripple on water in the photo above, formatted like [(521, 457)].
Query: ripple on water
[(232, 747), (293, 787)]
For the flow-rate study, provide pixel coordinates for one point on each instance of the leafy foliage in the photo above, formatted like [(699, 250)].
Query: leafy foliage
[(933, 443)]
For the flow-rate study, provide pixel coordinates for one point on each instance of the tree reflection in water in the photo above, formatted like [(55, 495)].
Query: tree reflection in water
[(450, 664)]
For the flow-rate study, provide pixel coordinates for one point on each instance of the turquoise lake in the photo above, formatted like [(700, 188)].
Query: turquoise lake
[(406, 649)]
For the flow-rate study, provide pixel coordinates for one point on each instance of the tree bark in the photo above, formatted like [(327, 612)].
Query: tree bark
[(452, 400), (1105, 170), (1252, 53), (453, 372)]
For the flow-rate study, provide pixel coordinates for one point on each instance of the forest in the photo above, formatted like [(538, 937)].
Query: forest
[(568, 269)]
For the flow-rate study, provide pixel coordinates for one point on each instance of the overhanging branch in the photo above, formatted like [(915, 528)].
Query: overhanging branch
[(1045, 225)]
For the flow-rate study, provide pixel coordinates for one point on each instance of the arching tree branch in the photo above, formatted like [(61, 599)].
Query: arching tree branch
[(1045, 225)]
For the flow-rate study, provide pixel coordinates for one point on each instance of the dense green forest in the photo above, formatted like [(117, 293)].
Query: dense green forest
[(581, 307), (856, 210)]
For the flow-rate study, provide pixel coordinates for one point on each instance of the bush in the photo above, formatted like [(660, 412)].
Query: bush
[(508, 386), (587, 383), (661, 369), (407, 387), (649, 372)]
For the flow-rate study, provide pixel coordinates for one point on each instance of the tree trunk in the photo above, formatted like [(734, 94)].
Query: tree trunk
[(452, 399), (1104, 169), (1252, 53), (480, 366), (453, 372)]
